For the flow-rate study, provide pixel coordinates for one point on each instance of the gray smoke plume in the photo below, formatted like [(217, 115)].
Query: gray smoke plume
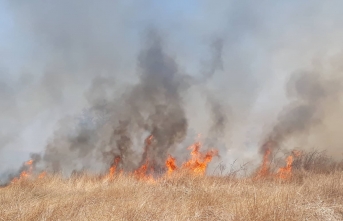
[(218, 112), (159, 97), (80, 85), (308, 92), (219, 117), (154, 105)]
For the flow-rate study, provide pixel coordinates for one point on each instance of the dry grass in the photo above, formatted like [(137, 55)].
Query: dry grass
[(306, 197)]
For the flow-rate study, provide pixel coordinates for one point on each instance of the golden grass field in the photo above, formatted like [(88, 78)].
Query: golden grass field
[(307, 196)]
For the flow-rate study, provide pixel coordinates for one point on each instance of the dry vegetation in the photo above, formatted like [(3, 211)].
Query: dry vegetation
[(309, 195)]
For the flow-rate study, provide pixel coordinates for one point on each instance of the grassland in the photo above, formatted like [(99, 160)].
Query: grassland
[(310, 196)]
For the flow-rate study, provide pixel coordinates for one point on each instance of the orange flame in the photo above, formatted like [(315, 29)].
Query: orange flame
[(197, 164), (144, 172), (113, 168), (265, 167), (25, 173), (30, 162), (171, 165), (286, 172), (199, 161), (283, 173), (42, 175)]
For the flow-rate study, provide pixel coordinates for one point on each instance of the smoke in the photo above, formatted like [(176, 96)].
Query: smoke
[(219, 118), (313, 97), (218, 111), (308, 90), (154, 106), (83, 82)]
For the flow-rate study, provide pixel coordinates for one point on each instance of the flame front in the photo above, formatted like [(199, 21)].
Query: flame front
[(197, 164)]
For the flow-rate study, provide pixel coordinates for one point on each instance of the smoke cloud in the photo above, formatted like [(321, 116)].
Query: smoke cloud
[(308, 90), (82, 82)]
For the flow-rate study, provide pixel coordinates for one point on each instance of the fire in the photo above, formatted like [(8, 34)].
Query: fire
[(113, 168), (29, 163), (144, 172), (42, 175), (283, 173), (199, 161), (25, 173), (141, 171), (286, 172), (197, 164), (171, 165), (148, 141), (265, 167)]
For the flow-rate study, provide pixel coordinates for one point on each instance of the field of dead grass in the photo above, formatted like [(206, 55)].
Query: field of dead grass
[(182, 197)]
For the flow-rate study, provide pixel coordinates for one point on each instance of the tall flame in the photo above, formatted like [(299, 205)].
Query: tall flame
[(265, 167), (113, 167), (199, 161), (283, 173), (286, 172), (171, 165)]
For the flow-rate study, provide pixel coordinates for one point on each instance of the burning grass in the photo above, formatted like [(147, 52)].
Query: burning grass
[(297, 191)]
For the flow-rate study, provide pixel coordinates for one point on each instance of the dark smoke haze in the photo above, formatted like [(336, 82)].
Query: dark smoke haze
[(82, 82)]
